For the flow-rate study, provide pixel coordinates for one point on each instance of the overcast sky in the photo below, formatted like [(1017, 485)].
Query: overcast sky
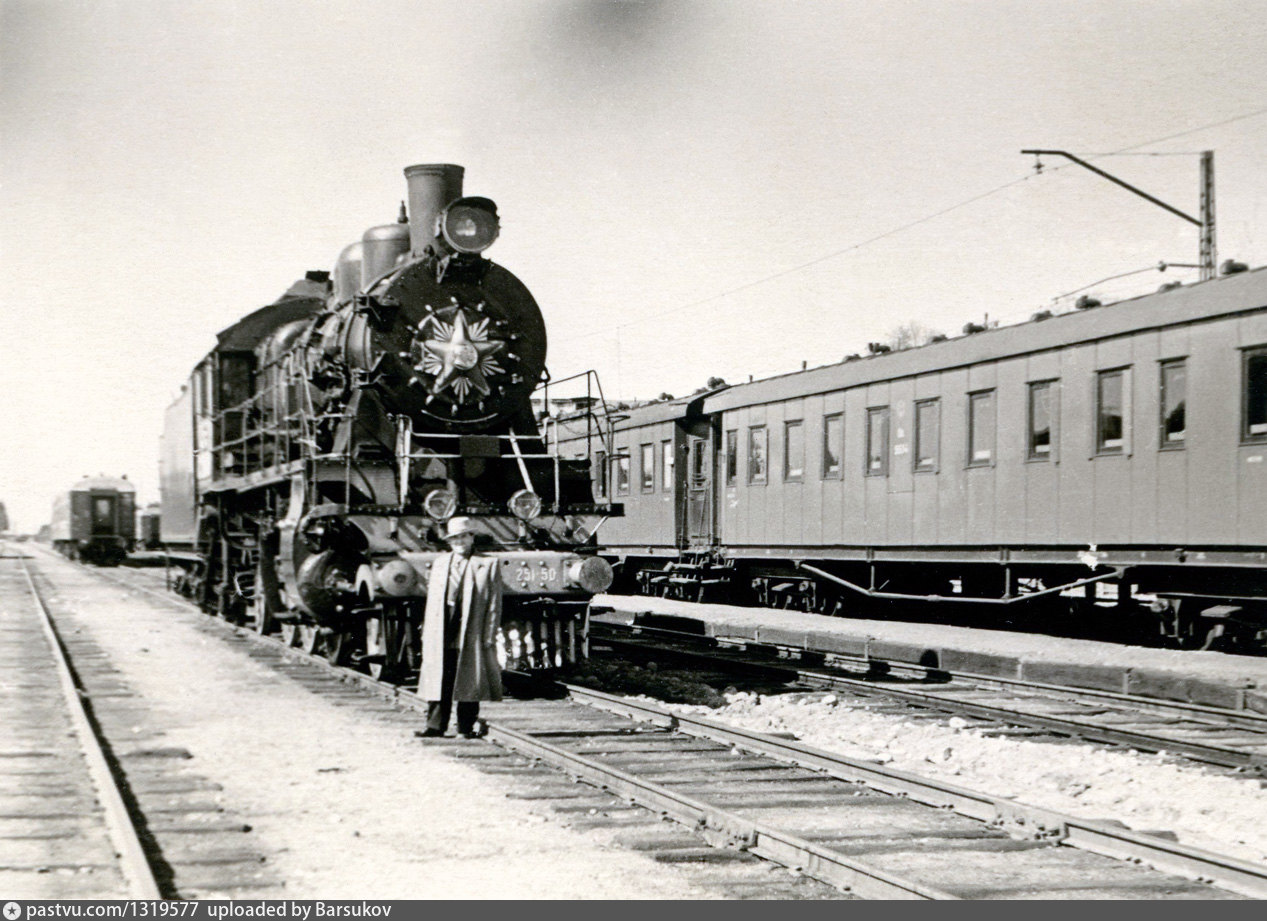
[(684, 185)]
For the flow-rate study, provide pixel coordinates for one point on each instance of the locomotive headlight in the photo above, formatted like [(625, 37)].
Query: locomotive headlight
[(440, 504), (469, 225), (591, 574), (525, 505)]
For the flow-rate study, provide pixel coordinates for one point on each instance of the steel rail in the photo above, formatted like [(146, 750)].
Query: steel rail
[(719, 826), (1094, 836), (1140, 739), (136, 866), (1086, 834), (758, 838)]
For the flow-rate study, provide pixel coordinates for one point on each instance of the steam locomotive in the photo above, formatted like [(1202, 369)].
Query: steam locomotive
[(310, 463)]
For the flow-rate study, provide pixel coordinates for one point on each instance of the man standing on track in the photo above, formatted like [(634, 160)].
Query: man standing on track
[(459, 633)]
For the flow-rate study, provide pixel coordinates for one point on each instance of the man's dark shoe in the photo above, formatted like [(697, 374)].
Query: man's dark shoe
[(430, 733)]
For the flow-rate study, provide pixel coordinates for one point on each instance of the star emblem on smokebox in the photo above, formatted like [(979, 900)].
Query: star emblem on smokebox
[(459, 355)]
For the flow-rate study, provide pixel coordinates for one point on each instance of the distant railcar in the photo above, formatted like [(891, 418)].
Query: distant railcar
[(95, 520), (149, 528), (1118, 453)]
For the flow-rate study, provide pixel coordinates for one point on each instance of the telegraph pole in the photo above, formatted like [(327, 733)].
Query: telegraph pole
[(1206, 221), (1209, 255)]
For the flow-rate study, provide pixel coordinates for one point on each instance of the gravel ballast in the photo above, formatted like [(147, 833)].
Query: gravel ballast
[(1203, 807)]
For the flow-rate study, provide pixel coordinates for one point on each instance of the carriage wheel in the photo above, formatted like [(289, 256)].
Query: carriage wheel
[(300, 636)]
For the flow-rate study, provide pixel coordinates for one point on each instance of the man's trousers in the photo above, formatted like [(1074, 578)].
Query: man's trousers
[(438, 710)]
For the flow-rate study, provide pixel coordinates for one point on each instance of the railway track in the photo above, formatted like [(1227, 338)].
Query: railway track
[(44, 787), (92, 803), (1231, 739), (877, 832)]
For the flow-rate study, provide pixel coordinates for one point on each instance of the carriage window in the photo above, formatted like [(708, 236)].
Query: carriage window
[(981, 428), (732, 456), (622, 473), (927, 434), (699, 463), (600, 472), (1255, 397), (666, 465), (833, 445), (1110, 432), (647, 468), (878, 441), (102, 508), (1174, 397), (757, 444), (793, 451), (1038, 446)]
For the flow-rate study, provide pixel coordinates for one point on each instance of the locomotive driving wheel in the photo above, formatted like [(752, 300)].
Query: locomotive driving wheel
[(388, 643), (265, 602), (300, 636), (335, 646)]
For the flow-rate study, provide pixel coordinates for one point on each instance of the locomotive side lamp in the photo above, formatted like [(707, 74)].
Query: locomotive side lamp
[(525, 505), (468, 225), (440, 504)]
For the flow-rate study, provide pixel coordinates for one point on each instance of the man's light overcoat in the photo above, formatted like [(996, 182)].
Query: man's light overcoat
[(479, 676)]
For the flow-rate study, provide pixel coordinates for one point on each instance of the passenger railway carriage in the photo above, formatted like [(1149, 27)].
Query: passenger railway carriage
[(1000, 473), (95, 520)]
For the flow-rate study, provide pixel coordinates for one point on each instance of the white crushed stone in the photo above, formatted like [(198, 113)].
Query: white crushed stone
[(345, 806), (1205, 809)]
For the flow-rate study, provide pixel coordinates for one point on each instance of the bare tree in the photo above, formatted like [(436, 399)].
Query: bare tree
[(911, 334)]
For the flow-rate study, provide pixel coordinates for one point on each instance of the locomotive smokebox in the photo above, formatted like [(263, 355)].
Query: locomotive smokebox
[(431, 187)]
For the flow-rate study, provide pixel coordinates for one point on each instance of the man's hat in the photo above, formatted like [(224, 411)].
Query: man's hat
[(459, 524)]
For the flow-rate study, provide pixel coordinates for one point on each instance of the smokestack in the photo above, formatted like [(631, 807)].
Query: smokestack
[(432, 186)]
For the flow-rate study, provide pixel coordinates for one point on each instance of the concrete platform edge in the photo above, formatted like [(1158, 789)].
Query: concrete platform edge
[(1234, 693)]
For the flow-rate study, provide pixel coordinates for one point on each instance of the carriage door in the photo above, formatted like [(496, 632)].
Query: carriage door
[(103, 515), (700, 531)]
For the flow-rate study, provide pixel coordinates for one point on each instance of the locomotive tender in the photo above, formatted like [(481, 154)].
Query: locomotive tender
[(95, 520), (1000, 474), (309, 465)]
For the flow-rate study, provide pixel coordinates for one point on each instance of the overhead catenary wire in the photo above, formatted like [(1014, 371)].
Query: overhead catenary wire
[(800, 267), (812, 262)]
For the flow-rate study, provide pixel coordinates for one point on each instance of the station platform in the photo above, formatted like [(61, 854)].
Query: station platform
[(1209, 678)]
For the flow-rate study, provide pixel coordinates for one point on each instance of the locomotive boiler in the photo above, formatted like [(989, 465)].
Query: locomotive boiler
[(311, 461)]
